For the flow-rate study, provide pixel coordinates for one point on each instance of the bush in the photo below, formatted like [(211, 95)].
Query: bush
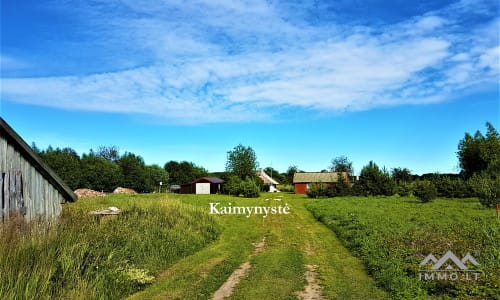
[(286, 188), (451, 187), (249, 188), (317, 190), (373, 181), (233, 186), (339, 188), (424, 190), (486, 188), (404, 189)]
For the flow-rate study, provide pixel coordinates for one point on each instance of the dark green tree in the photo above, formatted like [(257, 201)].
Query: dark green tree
[(341, 164), (290, 172), (424, 190), (65, 162), (108, 152), (242, 162), (373, 181), (476, 153), (401, 175), (133, 171), (486, 188), (154, 175), (183, 172), (99, 173), (339, 188)]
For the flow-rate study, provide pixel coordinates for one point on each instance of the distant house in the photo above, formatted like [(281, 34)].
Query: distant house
[(204, 185), (28, 187), (304, 180), (268, 180)]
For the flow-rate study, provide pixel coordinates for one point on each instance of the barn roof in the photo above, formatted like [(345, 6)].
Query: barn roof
[(209, 179), (20, 145), (305, 177), (266, 178)]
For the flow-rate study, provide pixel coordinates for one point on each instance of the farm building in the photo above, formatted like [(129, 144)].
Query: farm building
[(204, 185), (304, 180), (268, 180), (28, 186)]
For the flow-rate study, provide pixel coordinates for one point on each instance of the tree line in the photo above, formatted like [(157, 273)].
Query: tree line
[(479, 162), (105, 168)]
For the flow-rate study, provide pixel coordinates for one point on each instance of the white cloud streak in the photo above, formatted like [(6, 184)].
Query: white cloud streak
[(231, 61)]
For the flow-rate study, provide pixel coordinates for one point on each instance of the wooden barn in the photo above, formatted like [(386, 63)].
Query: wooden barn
[(303, 181), (28, 187), (204, 185)]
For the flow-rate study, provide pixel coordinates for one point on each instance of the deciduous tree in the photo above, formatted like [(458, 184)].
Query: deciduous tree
[(242, 162), (476, 153), (65, 163), (341, 164)]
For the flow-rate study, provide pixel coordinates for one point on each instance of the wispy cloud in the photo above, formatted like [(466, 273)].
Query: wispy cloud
[(229, 61)]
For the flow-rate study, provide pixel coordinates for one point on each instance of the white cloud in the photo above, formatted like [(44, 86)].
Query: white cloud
[(215, 66)]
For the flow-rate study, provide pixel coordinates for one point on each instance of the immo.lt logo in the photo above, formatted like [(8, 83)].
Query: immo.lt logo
[(449, 267)]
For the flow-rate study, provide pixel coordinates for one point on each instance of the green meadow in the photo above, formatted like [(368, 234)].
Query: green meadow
[(392, 235), (169, 246)]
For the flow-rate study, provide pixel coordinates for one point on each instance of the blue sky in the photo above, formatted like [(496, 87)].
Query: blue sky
[(301, 82)]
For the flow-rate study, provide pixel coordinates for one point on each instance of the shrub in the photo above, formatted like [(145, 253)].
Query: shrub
[(487, 189), (451, 187), (373, 181), (317, 190), (339, 188), (233, 186), (249, 188), (404, 189), (286, 188), (424, 190)]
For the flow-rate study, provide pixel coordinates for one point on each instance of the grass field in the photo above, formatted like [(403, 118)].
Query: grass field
[(393, 235), (79, 258), (168, 246), (291, 242)]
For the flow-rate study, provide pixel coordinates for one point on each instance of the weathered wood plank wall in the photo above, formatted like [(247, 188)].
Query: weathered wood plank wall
[(24, 189)]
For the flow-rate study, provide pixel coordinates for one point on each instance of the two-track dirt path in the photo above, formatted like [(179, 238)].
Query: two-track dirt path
[(301, 259)]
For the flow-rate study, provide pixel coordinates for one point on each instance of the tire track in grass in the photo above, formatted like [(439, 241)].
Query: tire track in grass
[(227, 287), (300, 254), (312, 291), (339, 275)]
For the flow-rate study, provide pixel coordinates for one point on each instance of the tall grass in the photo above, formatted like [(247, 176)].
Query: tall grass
[(392, 235), (79, 258)]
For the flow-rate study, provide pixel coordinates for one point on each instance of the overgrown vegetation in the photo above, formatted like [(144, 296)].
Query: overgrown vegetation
[(424, 190), (247, 188), (79, 258), (479, 158), (393, 235)]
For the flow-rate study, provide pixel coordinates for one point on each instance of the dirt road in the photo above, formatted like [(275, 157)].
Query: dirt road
[(300, 258)]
